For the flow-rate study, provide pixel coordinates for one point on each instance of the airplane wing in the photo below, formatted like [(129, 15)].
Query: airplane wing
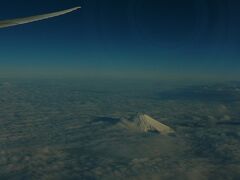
[(19, 21)]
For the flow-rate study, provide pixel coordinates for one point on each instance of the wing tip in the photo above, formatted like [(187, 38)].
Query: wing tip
[(72, 9), (76, 8)]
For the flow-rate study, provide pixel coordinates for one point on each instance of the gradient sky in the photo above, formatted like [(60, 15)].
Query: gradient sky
[(145, 38)]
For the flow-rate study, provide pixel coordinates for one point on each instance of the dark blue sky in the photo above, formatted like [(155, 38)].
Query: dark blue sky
[(146, 38)]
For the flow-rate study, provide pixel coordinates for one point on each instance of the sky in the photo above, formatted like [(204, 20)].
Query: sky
[(172, 39)]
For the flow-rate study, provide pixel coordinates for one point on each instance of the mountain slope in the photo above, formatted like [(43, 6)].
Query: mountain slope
[(145, 123)]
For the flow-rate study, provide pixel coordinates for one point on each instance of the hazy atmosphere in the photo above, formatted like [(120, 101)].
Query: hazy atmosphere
[(123, 90)]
